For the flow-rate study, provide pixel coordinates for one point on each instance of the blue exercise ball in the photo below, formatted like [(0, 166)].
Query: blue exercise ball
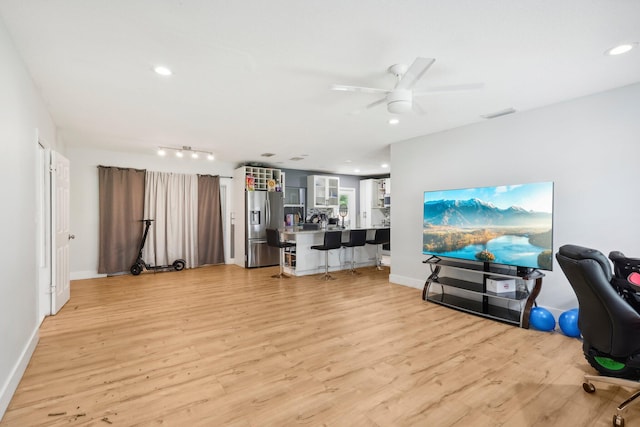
[(542, 319), (568, 322)]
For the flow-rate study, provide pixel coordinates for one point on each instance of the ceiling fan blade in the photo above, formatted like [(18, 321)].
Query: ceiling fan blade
[(373, 104), (415, 72), (417, 108), (378, 102), (361, 89), (449, 88)]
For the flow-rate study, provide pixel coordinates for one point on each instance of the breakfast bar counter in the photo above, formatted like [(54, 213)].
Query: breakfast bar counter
[(305, 261)]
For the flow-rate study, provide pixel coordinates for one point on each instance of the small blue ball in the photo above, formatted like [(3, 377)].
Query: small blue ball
[(542, 319), (568, 322)]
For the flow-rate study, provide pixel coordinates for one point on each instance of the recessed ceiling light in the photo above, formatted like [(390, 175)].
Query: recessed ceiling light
[(620, 49), (194, 155), (347, 161), (210, 157), (394, 121), (384, 165), (356, 170), (161, 152), (179, 154), (162, 70)]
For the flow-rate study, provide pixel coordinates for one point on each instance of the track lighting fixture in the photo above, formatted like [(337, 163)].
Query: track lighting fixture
[(180, 152)]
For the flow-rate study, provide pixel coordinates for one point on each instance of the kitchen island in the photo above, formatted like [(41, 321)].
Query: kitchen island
[(305, 261)]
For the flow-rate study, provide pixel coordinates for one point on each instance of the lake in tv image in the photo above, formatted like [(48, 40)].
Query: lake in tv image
[(511, 225)]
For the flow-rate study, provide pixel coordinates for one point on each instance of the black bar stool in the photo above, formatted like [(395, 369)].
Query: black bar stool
[(382, 237), (273, 240), (356, 238), (332, 240)]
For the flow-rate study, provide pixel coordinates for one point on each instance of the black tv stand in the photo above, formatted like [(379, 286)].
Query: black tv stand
[(472, 296)]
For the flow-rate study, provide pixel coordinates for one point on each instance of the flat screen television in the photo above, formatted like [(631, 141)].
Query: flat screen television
[(509, 224)]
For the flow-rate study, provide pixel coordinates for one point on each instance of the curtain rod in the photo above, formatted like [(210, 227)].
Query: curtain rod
[(144, 170), (219, 176), (122, 168)]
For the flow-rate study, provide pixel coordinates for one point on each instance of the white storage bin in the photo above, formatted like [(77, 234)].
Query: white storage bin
[(501, 285)]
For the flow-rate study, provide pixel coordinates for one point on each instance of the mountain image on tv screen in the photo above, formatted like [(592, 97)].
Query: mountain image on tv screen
[(511, 224)]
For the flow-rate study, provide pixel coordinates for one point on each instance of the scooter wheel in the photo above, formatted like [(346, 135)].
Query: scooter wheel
[(178, 264), (135, 269)]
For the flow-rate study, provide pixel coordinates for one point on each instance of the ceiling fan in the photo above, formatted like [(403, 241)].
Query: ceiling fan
[(400, 100)]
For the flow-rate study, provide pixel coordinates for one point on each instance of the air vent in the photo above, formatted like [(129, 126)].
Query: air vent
[(267, 154), (498, 113), (296, 158)]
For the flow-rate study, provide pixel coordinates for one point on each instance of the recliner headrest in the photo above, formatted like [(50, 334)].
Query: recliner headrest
[(581, 253)]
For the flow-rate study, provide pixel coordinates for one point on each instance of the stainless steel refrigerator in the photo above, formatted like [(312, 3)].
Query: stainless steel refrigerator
[(265, 209)]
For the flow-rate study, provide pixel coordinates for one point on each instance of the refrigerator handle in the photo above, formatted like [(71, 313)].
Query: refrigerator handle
[(268, 212)]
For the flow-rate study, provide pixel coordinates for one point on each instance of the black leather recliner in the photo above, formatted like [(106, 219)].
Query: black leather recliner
[(610, 326)]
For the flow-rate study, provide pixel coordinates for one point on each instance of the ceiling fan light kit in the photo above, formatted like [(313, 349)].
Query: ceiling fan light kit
[(399, 101)]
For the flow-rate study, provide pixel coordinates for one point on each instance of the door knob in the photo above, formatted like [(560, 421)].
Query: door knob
[(72, 236)]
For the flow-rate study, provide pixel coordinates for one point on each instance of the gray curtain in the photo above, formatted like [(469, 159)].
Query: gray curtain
[(121, 201), (210, 241)]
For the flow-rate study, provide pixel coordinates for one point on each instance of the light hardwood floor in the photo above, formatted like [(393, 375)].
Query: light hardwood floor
[(227, 346)]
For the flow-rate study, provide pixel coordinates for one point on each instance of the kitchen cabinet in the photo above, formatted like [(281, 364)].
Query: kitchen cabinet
[(375, 191), (387, 192), (322, 192), (373, 211)]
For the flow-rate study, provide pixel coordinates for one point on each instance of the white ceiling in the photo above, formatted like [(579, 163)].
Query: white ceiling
[(253, 76)]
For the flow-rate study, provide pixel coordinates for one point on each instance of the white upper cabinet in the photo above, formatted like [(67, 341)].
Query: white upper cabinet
[(323, 191)]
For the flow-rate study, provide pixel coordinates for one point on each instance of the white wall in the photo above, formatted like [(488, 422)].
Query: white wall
[(22, 111), (84, 219), (589, 147)]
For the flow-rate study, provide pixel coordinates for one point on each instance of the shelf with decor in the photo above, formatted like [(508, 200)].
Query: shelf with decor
[(260, 178)]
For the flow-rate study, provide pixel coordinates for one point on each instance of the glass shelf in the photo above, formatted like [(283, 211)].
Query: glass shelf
[(495, 312), (472, 296)]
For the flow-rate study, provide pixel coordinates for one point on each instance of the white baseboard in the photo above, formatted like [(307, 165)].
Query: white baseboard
[(87, 274), (406, 281), (10, 386)]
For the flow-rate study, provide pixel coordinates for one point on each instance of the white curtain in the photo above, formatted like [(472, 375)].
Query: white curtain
[(171, 200)]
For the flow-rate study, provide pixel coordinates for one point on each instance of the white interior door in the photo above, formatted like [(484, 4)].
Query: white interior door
[(60, 219), (44, 231), (224, 204)]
